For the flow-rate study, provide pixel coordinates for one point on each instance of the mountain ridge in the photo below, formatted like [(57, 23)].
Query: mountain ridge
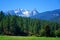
[(48, 15)]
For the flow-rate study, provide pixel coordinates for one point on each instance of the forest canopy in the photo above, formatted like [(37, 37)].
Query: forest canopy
[(22, 26)]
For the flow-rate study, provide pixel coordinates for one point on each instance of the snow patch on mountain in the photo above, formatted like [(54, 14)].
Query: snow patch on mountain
[(26, 13), (56, 14)]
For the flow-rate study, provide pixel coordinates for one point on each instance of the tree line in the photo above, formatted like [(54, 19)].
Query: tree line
[(22, 26)]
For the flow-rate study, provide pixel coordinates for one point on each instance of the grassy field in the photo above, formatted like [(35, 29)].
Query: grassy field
[(27, 38)]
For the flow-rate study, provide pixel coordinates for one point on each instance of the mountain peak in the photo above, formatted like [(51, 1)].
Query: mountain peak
[(26, 12), (17, 10), (22, 12), (34, 12)]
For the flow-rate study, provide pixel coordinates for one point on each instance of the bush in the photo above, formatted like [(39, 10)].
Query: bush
[(42, 32), (57, 32)]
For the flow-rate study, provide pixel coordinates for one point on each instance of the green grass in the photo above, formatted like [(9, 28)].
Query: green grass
[(27, 38)]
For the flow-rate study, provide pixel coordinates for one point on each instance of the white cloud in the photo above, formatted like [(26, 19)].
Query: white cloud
[(26, 13)]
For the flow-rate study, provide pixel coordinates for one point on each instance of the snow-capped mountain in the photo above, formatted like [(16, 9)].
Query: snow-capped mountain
[(23, 12), (48, 15)]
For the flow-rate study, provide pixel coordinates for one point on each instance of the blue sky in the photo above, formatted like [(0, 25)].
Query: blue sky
[(40, 5)]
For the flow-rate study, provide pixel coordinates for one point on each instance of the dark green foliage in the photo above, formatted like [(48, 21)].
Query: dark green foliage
[(47, 30), (15, 25)]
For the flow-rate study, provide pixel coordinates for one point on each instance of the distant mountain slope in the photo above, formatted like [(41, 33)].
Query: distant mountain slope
[(49, 15)]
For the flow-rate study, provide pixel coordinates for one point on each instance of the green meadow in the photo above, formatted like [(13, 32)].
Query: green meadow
[(27, 38)]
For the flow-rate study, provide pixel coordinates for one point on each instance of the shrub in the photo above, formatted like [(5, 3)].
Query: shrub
[(57, 32), (42, 32)]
